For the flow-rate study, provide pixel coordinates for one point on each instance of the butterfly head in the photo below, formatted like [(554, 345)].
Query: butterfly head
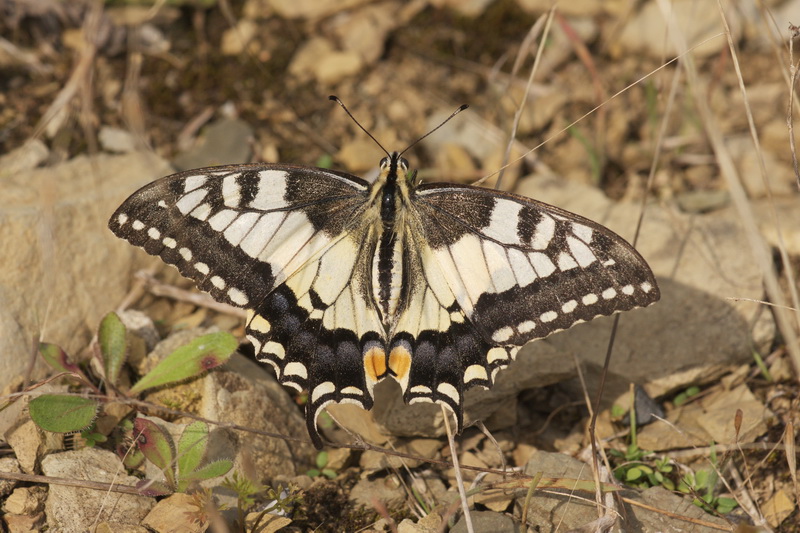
[(395, 166)]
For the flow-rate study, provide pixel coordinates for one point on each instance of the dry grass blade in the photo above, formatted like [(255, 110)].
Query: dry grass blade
[(791, 459), (518, 113), (457, 469), (789, 115)]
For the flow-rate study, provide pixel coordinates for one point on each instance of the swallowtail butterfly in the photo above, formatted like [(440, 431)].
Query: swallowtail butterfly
[(347, 282)]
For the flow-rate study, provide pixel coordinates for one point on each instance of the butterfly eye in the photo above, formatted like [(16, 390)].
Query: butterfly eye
[(384, 162), (403, 164)]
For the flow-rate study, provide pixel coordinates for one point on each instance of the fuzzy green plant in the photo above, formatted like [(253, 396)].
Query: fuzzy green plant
[(73, 413), (184, 464)]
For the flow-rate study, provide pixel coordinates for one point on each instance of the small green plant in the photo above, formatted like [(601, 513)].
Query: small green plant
[(61, 413), (77, 412), (683, 397), (637, 469), (280, 501), (321, 470), (183, 465), (702, 483)]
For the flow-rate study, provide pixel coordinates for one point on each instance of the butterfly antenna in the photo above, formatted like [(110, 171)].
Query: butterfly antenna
[(336, 99), (461, 108)]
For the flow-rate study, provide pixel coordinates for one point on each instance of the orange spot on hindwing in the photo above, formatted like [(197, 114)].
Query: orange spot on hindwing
[(400, 362), (375, 364)]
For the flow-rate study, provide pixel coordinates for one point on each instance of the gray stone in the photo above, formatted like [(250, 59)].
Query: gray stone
[(245, 393), (74, 509), (386, 490), (66, 268), (487, 521), (11, 465), (224, 142)]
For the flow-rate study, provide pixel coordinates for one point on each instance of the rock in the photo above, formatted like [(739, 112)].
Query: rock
[(116, 140), (426, 448), (30, 443), (778, 508), (487, 521), (24, 523), (779, 174), (269, 523), (106, 527), (228, 395), (702, 201), (76, 510), (359, 154), (550, 509), (53, 221), (318, 59), (364, 31), (646, 517), (560, 510), (310, 9), (779, 214), (140, 325), (466, 8), (639, 33), (586, 8), (10, 465), (28, 156), (710, 419), (386, 490), (25, 501), (226, 141), (178, 513), (235, 40)]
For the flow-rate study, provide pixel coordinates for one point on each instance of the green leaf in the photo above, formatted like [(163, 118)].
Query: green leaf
[(322, 459), (63, 414), (328, 473), (156, 446), (133, 459), (313, 472), (203, 353), (617, 411), (57, 358), (92, 438), (212, 469), (192, 448), (113, 345), (633, 474), (726, 505)]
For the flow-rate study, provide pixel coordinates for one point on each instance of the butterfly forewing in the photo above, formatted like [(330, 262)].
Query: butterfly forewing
[(522, 269)]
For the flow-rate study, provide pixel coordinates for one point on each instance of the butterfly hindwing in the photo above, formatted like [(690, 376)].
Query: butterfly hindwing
[(321, 332)]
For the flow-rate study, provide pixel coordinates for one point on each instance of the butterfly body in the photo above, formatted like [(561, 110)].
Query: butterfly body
[(348, 282)]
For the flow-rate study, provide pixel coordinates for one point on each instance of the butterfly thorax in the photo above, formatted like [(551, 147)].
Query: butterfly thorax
[(389, 274)]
